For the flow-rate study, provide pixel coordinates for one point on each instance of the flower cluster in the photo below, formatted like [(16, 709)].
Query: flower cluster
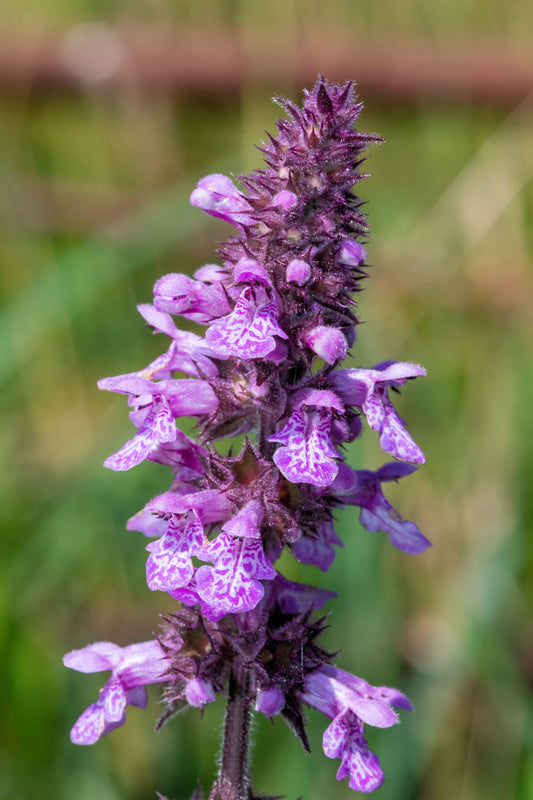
[(278, 317)]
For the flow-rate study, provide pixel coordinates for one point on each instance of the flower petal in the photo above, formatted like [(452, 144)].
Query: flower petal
[(367, 388), (296, 598), (317, 548), (192, 299), (233, 584), (402, 533), (210, 504), (344, 739), (143, 663), (308, 454), (138, 697), (249, 331), (377, 514), (169, 565), (113, 697), (217, 195), (89, 726), (95, 657), (158, 426), (247, 522)]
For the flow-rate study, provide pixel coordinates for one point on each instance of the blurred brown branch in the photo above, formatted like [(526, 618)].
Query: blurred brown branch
[(391, 70)]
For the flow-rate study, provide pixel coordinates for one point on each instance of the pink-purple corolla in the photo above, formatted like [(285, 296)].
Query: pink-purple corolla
[(132, 669), (351, 702), (279, 317)]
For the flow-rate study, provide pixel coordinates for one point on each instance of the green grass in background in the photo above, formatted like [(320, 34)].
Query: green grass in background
[(94, 208)]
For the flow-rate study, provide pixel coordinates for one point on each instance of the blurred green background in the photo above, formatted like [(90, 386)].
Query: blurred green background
[(96, 173)]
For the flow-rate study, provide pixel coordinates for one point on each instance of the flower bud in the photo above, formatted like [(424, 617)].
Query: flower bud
[(298, 271), (217, 195), (285, 200), (351, 253), (199, 692), (328, 343), (270, 701)]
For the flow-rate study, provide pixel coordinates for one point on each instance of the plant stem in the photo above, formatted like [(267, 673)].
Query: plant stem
[(233, 777)]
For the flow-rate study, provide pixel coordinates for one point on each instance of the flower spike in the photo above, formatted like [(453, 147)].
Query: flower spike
[(276, 318)]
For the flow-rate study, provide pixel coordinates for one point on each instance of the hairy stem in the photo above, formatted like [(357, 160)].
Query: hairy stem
[(233, 777)]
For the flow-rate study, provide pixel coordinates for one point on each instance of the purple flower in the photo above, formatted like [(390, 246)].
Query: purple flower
[(350, 701), (317, 547), (233, 584), (198, 300), (308, 454), (345, 739), (169, 566), (367, 388), (377, 514), (132, 668), (250, 329), (210, 505), (155, 407), (217, 195), (187, 352), (183, 454), (280, 315)]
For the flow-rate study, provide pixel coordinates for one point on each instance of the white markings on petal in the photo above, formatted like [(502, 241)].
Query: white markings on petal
[(158, 427), (249, 331), (344, 739), (233, 584), (308, 454), (169, 565)]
